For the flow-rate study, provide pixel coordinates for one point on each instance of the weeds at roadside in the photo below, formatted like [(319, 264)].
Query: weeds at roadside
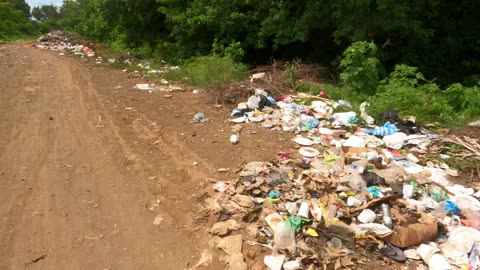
[(208, 72)]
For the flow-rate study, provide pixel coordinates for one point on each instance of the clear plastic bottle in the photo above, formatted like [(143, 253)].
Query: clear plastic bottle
[(387, 217)]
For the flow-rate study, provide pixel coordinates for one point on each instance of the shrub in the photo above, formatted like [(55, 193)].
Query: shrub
[(402, 91), (465, 100), (233, 50), (360, 67)]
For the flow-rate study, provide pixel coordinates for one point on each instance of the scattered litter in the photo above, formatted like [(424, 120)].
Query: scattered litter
[(348, 185), (257, 76), (303, 141), (158, 220), (143, 86), (234, 139), (200, 118), (309, 152)]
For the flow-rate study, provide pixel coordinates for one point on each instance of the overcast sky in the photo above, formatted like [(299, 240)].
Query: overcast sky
[(36, 3)]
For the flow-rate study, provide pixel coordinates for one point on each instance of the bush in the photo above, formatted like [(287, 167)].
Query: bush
[(233, 50), (465, 100), (405, 90), (209, 71), (13, 23), (402, 91), (360, 67)]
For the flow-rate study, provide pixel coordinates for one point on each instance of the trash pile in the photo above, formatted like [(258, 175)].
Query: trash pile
[(66, 43), (345, 192), (70, 44)]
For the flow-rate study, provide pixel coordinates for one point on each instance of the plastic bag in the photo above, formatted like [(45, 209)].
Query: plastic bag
[(473, 217), (284, 237), (355, 181), (385, 130), (367, 118), (342, 119), (465, 202), (460, 243), (395, 141)]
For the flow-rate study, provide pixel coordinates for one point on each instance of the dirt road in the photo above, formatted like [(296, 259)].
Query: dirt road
[(87, 163)]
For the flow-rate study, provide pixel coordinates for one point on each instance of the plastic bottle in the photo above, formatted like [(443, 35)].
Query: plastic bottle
[(387, 217)]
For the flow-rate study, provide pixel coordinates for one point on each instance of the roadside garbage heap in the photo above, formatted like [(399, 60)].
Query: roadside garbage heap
[(344, 196), (65, 43)]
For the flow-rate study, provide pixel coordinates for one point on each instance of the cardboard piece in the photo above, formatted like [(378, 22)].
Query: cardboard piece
[(413, 234)]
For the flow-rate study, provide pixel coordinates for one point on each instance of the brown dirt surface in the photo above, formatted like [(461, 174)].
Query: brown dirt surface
[(472, 132), (87, 162)]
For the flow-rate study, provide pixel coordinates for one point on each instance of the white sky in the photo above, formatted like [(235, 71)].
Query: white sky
[(36, 3)]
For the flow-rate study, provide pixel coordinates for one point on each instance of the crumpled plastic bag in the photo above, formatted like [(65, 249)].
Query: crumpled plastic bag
[(376, 229), (395, 141), (465, 202), (385, 130), (367, 118), (354, 141), (200, 118), (254, 168), (459, 244)]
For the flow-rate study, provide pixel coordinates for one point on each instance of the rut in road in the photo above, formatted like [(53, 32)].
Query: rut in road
[(75, 192)]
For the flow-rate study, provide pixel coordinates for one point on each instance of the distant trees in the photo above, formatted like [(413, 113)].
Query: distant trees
[(19, 5), (46, 12), (14, 23), (441, 38)]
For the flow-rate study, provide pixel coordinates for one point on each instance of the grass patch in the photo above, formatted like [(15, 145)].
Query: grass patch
[(17, 38), (208, 71)]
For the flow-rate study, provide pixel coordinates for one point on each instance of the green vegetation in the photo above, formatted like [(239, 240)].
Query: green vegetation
[(405, 90), (14, 22), (441, 38), (418, 57), (209, 71)]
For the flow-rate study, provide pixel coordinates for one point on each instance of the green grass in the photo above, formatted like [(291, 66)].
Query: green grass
[(208, 72), (17, 38)]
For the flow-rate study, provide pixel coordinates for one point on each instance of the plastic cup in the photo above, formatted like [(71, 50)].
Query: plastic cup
[(304, 210), (367, 216), (352, 201)]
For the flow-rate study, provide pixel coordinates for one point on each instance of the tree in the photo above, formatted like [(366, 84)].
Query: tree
[(442, 38), (19, 5), (13, 24), (46, 12)]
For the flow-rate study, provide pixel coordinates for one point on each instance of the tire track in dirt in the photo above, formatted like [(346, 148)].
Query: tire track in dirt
[(83, 206), (82, 178)]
